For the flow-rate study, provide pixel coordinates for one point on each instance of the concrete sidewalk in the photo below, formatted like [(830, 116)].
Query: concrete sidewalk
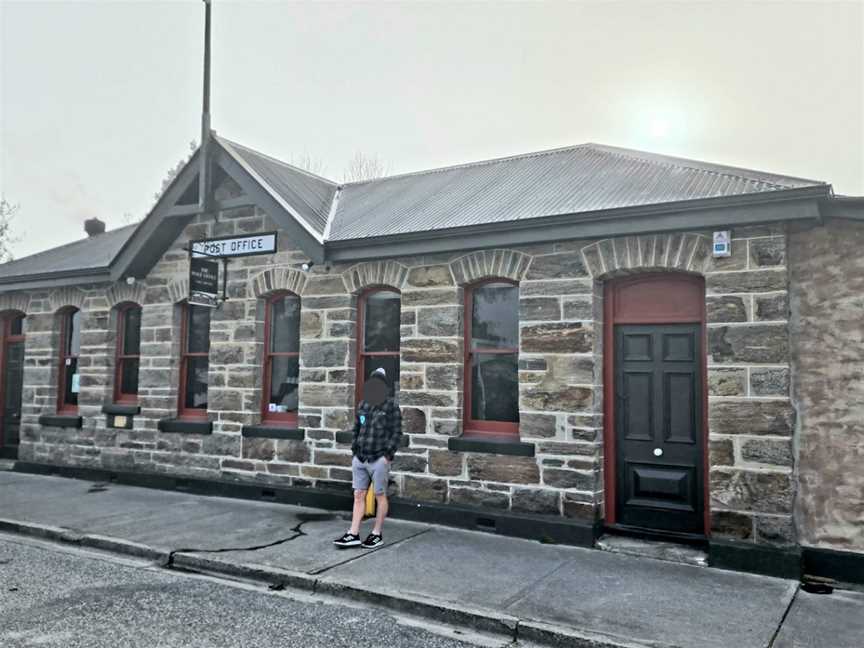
[(555, 594)]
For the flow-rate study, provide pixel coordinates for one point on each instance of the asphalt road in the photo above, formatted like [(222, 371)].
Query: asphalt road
[(56, 596)]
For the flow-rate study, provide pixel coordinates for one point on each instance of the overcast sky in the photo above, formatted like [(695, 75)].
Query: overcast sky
[(99, 99)]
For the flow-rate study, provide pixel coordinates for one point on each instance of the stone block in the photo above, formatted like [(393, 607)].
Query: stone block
[(225, 445), (325, 395), (728, 524), (557, 337), (535, 500), (479, 498), (413, 420), (341, 329), (443, 321), (767, 252), (332, 458), (727, 382), (310, 323), (745, 490), (431, 350), (411, 381), (332, 353), (503, 468), (564, 398), (779, 530), (578, 308), (429, 297), (424, 489), (445, 463), (292, 451), (236, 464), (443, 377), (769, 381), (427, 398), (771, 307), (777, 452), (721, 452), (329, 301), (409, 463), (560, 478), (752, 417), (727, 308), (259, 449), (532, 364), (338, 419), (324, 285), (447, 428), (556, 287), (578, 507), (556, 266), (749, 343), (724, 283), (537, 426), (539, 309), (223, 400), (430, 276)]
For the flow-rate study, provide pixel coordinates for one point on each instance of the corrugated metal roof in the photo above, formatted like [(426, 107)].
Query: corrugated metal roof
[(572, 180), (92, 253), (308, 194)]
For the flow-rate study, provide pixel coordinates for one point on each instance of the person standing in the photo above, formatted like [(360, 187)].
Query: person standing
[(377, 432)]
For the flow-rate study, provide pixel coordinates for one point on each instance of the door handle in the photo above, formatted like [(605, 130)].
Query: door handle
[(658, 452)]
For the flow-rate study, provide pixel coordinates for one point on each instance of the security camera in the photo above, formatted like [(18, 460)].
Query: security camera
[(306, 265), (130, 281)]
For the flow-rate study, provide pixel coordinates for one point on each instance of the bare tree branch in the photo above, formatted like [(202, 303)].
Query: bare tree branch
[(309, 163), (7, 214), (364, 167)]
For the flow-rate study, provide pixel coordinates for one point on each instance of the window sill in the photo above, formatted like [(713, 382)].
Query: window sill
[(122, 409), (491, 445), (60, 420), (185, 426), (270, 431)]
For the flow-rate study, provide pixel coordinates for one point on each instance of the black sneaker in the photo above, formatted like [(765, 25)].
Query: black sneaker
[(348, 540), (372, 540)]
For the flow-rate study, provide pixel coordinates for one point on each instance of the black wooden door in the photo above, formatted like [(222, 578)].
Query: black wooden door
[(658, 427), (13, 377)]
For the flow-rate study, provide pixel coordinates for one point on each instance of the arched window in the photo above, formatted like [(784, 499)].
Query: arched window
[(128, 353), (378, 320), (69, 382), (281, 359), (492, 358), (194, 361)]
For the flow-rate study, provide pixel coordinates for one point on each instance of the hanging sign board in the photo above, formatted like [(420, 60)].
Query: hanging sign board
[(235, 246), (203, 282), (722, 244)]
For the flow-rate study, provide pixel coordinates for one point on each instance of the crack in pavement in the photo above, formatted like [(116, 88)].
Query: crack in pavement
[(298, 532), (321, 570)]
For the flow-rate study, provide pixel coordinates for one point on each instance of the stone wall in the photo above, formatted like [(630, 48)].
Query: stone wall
[(560, 373), (827, 291)]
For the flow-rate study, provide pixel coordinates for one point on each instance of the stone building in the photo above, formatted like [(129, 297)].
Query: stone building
[(571, 355)]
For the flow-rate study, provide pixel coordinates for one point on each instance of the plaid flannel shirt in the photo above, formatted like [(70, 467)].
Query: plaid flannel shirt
[(377, 430)]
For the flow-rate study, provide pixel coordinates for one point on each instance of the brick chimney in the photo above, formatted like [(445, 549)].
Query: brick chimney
[(94, 227)]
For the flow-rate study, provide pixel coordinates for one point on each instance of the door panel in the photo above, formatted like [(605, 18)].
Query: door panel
[(13, 377), (658, 426)]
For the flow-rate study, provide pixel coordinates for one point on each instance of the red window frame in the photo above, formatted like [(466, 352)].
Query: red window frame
[(66, 315), (121, 357), (185, 355), (277, 418), (362, 353), (471, 426), (7, 338)]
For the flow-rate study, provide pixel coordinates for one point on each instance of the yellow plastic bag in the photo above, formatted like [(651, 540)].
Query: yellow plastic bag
[(370, 502)]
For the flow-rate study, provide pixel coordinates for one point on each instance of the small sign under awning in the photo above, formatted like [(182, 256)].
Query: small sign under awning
[(203, 282)]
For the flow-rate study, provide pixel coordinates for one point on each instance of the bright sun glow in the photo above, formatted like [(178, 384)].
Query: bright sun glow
[(659, 127)]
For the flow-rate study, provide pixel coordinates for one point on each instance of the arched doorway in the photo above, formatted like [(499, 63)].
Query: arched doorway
[(655, 405), (12, 329)]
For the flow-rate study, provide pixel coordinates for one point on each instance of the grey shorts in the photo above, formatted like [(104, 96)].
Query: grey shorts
[(375, 472)]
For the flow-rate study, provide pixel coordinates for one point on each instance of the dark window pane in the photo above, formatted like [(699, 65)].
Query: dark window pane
[(285, 325), (129, 376), (199, 329), (73, 333), (196, 383), (131, 331), (70, 397), (390, 365), (382, 321), (494, 317), (495, 388), (16, 326), (284, 383)]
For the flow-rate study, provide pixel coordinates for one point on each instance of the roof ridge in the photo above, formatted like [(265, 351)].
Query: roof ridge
[(466, 165), (278, 161), (697, 165)]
